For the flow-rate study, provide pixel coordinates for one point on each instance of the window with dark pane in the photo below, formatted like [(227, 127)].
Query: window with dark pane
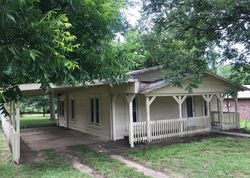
[(92, 107), (72, 109), (97, 110)]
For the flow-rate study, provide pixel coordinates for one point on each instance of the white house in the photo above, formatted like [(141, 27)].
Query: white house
[(144, 108)]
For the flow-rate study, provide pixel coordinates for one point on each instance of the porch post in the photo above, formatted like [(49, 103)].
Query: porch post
[(113, 98), (130, 98), (148, 103), (236, 110), (208, 99), (180, 100), (220, 97)]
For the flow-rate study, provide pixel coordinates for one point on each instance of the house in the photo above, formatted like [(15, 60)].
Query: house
[(144, 108), (243, 104)]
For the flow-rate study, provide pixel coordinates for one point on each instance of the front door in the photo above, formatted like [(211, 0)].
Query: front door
[(189, 102), (62, 112)]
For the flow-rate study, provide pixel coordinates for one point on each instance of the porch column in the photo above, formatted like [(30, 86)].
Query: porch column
[(236, 110), (113, 98), (221, 98), (149, 101), (180, 100), (129, 98), (208, 98)]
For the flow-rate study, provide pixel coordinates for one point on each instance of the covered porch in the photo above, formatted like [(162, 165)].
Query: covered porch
[(170, 116)]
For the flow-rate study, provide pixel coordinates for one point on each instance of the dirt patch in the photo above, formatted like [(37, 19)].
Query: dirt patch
[(73, 158), (241, 130)]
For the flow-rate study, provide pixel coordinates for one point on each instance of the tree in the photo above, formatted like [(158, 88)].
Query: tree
[(59, 41), (35, 104), (187, 31)]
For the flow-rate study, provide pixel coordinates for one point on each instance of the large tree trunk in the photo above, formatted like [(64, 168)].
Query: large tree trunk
[(52, 106)]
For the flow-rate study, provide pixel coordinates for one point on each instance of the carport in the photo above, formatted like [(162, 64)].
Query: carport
[(44, 138)]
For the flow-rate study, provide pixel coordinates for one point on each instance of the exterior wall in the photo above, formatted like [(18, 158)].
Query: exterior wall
[(165, 107), (82, 110), (121, 117), (243, 107)]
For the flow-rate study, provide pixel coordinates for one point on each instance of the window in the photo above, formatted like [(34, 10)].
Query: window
[(134, 110), (61, 104), (189, 102), (95, 110), (72, 105), (205, 108)]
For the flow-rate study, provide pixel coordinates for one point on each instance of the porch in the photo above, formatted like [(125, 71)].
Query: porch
[(150, 128)]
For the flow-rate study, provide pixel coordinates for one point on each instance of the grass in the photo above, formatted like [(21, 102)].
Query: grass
[(54, 166), (35, 120), (213, 157), (105, 165), (243, 125)]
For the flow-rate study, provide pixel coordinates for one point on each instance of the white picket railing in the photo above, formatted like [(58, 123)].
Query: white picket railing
[(170, 128), (12, 137), (230, 120)]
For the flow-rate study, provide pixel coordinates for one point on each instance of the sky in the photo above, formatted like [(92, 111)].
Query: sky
[(133, 13)]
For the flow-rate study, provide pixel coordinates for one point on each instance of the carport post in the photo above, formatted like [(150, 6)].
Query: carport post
[(129, 98), (113, 99), (17, 147)]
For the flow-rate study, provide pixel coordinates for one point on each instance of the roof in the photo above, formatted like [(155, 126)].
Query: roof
[(143, 70), (244, 94), (145, 86)]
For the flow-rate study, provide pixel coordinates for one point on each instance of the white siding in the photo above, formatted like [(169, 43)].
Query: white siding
[(209, 84), (82, 110)]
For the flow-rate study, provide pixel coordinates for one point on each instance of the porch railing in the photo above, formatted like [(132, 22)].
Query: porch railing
[(230, 120), (170, 128)]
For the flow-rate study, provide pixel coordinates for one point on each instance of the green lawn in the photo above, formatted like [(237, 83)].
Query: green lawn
[(106, 165), (212, 157), (35, 120), (54, 166), (243, 125)]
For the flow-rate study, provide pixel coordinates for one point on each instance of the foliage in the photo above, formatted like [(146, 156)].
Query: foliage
[(35, 104), (35, 120), (213, 157), (104, 164), (54, 41), (185, 36)]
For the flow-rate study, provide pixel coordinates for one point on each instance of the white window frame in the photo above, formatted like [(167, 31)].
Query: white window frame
[(62, 100), (95, 111)]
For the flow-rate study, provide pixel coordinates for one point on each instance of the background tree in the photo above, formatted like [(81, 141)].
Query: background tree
[(35, 104), (186, 32), (60, 41)]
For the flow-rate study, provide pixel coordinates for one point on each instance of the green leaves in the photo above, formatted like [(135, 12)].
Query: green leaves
[(61, 42), (188, 36)]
